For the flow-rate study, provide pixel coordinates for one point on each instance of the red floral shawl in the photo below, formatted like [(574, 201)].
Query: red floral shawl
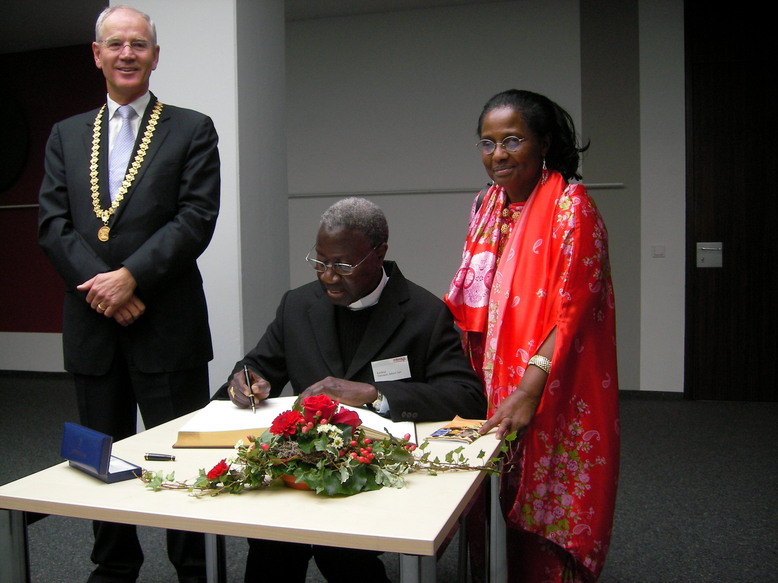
[(553, 272)]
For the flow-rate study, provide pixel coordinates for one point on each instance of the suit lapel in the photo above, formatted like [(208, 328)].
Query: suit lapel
[(322, 319)]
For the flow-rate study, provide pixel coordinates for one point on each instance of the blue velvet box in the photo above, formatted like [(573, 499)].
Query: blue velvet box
[(90, 451)]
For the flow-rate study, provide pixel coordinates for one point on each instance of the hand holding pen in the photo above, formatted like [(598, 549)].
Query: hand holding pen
[(247, 388), (248, 384)]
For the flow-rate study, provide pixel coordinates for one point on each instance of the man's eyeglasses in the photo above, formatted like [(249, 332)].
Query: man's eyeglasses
[(116, 46), (339, 268), (509, 144)]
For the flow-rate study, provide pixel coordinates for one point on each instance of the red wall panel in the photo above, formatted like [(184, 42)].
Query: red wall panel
[(39, 89)]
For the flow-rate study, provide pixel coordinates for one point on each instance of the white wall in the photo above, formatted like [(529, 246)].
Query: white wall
[(388, 103), (180, 79), (611, 127), (225, 58), (419, 79), (663, 211), (263, 175), (385, 108), (31, 351)]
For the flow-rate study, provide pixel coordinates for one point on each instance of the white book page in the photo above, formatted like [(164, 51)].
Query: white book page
[(225, 416)]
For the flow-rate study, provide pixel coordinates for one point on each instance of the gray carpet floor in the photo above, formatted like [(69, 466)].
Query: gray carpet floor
[(698, 496)]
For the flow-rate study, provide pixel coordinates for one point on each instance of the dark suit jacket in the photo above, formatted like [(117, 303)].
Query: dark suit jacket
[(301, 346), (165, 222)]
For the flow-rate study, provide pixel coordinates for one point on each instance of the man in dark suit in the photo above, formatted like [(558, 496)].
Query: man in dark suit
[(365, 336), (125, 235)]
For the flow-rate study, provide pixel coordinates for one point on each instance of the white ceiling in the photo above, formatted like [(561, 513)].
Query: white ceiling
[(27, 25)]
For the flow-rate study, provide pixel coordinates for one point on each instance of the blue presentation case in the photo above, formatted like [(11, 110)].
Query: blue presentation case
[(90, 451)]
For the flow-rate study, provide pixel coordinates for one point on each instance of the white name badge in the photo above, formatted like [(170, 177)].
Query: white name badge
[(391, 369)]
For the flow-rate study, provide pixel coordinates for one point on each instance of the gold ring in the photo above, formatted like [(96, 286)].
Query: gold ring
[(100, 307), (232, 392)]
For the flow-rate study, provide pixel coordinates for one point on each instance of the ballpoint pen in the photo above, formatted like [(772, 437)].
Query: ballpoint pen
[(248, 384)]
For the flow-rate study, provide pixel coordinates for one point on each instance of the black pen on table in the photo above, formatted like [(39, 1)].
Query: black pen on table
[(248, 383), (160, 457)]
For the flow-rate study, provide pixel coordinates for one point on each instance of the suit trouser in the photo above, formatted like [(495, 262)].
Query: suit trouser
[(270, 561), (108, 403)]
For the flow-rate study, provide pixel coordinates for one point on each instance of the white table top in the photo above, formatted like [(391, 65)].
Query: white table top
[(412, 520)]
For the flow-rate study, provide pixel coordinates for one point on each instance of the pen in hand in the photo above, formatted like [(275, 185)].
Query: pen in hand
[(248, 384)]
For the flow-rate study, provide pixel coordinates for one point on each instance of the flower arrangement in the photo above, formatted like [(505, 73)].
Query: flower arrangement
[(321, 446)]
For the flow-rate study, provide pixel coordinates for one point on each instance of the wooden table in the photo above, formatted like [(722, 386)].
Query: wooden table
[(413, 521)]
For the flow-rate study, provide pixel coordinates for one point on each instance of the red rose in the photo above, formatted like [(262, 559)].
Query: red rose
[(218, 470), (347, 417), (286, 423), (318, 405)]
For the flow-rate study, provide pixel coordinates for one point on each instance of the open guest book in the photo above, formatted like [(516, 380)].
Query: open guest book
[(221, 424)]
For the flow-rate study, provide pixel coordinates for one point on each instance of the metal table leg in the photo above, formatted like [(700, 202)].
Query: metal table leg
[(417, 569), (498, 561), (14, 559), (215, 564)]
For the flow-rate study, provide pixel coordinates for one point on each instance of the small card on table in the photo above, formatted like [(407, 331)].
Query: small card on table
[(459, 429)]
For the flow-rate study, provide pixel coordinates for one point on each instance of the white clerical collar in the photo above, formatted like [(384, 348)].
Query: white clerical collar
[(372, 298), (139, 105)]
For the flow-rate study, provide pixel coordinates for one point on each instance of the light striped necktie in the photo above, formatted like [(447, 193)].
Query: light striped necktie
[(120, 153)]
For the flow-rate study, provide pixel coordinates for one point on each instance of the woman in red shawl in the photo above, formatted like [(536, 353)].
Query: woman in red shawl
[(534, 299)]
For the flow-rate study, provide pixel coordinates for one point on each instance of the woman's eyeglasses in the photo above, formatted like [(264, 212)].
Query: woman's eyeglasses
[(509, 144)]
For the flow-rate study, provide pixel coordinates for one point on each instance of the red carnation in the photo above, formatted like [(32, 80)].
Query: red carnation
[(286, 423), (218, 470), (347, 417), (319, 405)]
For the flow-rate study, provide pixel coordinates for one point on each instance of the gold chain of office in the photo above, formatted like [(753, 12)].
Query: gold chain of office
[(103, 234)]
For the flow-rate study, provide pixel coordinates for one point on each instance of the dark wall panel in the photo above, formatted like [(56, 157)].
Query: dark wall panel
[(38, 89)]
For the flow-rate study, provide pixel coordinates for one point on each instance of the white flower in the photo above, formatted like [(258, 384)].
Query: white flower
[(327, 428)]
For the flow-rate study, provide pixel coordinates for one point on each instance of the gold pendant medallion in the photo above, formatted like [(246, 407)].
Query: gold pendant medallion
[(103, 234)]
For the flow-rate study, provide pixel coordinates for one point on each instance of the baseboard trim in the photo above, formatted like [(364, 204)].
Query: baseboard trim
[(33, 374), (652, 395)]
